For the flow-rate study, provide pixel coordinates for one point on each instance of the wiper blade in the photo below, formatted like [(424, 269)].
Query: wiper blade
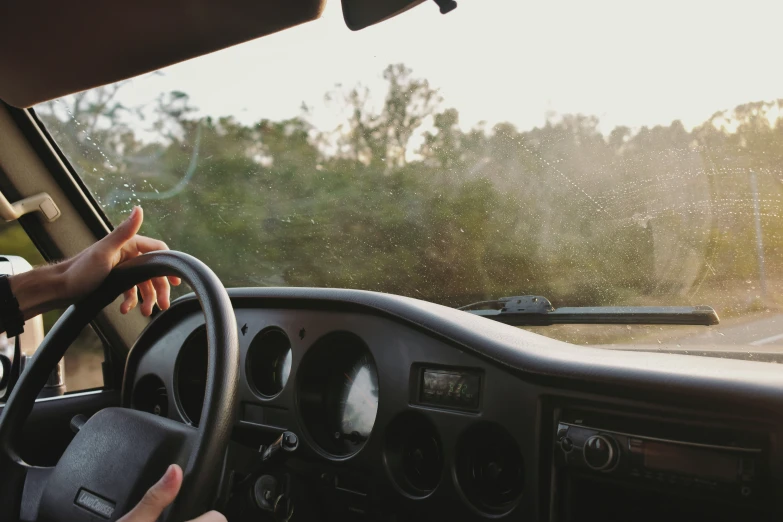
[(533, 310)]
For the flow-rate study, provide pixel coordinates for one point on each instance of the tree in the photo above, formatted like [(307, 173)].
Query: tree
[(562, 209)]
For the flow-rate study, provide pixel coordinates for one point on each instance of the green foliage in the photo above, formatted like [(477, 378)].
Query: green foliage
[(15, 242), (561, 210)]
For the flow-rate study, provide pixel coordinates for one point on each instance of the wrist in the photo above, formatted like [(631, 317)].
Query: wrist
[(38, 291)]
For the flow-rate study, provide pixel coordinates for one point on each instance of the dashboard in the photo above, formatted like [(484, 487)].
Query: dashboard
[(407, 410)]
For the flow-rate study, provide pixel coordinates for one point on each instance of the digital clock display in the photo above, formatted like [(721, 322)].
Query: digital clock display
[(450, 388)]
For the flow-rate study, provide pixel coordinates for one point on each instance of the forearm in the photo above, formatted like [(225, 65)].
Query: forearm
[(39, 290)]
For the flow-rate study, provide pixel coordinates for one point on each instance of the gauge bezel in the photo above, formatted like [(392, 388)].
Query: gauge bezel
[(316, 403), (472, 446), (398, 434), (253, 351), (146, 390), (192, 341)]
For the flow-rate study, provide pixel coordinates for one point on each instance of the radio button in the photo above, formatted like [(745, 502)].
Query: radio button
[(600, 453), (566, 444)]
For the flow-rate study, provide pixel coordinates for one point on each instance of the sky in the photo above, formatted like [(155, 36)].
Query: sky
[(627, 62)]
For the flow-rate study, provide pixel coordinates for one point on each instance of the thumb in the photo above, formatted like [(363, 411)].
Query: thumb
[(157, 497), (126, 230)]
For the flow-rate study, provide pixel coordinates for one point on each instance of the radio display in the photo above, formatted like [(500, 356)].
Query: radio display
[(691, 461), (450, 388)]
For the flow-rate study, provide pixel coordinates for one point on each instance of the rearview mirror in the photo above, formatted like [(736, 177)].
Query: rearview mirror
[(359, 14)]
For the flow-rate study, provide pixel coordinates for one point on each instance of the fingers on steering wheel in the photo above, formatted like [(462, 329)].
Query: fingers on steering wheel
[(131, 300), (163, 290), (148, 297), (146, 244)]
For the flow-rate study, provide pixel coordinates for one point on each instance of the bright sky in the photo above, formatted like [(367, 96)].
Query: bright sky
[(628, 62)]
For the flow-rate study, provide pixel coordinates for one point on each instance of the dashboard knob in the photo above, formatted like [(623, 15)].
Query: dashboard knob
[(600, 453)]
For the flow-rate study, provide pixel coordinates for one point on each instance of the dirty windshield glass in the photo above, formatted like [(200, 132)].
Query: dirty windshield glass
[(596, 153)]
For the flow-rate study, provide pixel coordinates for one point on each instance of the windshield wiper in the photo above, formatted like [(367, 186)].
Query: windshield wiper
[(533, 310)]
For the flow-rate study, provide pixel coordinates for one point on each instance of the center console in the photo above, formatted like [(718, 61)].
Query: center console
[(609, 466)]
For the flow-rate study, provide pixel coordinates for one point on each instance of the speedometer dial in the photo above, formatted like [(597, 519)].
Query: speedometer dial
[(337, 390), (359, 402)]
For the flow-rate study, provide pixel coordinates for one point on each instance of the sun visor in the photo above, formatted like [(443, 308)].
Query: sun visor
[(50, 48)]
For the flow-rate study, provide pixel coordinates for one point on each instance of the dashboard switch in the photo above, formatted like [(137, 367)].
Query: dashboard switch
[(290, 441), (285, 443), (600, 453)]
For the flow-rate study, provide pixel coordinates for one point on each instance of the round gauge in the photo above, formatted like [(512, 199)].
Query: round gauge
[(359, 400), (190, 375), (337, 393), (269, 362), (150, 395)]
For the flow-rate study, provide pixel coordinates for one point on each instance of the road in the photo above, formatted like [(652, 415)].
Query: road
[(764, 331), (759, 338)]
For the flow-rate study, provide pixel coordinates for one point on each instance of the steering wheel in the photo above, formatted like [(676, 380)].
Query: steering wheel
[(119, 453)]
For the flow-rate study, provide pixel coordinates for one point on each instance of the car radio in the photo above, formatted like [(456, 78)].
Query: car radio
[(726, 471)]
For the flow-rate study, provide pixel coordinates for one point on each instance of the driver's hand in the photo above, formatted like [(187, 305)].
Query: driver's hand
[(87, 270), (161, 495), (60, 285)]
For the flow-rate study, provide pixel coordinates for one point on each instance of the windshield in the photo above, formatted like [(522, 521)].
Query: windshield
[(596, 153)]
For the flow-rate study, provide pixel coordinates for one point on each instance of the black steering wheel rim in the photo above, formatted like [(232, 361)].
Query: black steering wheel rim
[(207, 450)]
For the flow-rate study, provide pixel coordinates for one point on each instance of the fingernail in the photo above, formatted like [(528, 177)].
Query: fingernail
[(168, 477)]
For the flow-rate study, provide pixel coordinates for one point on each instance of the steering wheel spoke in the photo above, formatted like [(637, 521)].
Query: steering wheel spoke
[(34, 484)]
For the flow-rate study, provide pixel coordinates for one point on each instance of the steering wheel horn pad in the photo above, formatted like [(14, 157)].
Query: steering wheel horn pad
[(119, 453), (111, 462)]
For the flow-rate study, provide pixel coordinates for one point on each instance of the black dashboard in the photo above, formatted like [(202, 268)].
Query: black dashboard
[(408, 410)]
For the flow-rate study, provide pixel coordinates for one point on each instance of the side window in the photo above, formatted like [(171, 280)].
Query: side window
[(82, 367)]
